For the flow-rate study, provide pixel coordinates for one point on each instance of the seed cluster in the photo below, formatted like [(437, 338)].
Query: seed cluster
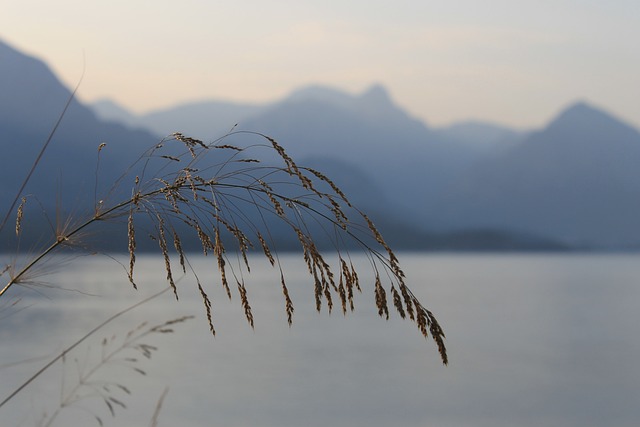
[(232, 203)]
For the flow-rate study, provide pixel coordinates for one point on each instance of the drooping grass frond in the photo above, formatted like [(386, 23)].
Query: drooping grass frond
[(216, 195)]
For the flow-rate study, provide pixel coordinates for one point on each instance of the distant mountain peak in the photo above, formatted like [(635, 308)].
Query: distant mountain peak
[(581, 108), (581, 105), (377, 94), (583, 115)]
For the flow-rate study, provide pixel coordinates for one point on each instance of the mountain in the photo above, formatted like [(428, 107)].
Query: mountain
[(475, 185), (68, 175), (367, 133), (405, 159), (109, 111), (482, 136), (577, 181), (32, 100), (73, 174), (574, 181), (205, 120)]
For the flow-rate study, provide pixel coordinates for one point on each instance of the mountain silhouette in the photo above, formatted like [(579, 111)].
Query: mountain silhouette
[(576, 180), (67, 179), (573, 181), (407, 162), (470, 185), (32, 100), (405, 159)]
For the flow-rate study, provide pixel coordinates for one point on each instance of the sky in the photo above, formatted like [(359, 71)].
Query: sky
[(512, 62)]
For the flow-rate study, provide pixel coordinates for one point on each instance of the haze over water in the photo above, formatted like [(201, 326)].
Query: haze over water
[(534, 340)]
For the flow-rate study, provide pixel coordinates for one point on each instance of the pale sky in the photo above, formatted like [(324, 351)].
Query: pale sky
[(507, 61)]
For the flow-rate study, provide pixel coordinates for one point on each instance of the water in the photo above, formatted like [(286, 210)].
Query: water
[(534, 340)]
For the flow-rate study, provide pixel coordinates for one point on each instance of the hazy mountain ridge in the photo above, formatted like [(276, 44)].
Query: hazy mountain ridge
[(577, 180), (369, 132), (202, 119), (408, 161), (572, 183), (69, 175), (32, 100)]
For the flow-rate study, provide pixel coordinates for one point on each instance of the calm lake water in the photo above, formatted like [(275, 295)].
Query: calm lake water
[(534, 340)]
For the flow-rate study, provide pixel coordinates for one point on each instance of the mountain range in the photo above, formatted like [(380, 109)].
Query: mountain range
[(32, 100), (572, 184), (348, 137)]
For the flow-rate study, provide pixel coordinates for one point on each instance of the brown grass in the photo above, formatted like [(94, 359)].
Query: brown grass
[(221, 195)]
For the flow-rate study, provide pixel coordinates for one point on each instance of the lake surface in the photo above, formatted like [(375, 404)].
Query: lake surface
[(534, 340)]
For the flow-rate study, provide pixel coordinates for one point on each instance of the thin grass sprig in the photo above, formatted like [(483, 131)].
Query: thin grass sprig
[(77, 343), (125, 352)]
